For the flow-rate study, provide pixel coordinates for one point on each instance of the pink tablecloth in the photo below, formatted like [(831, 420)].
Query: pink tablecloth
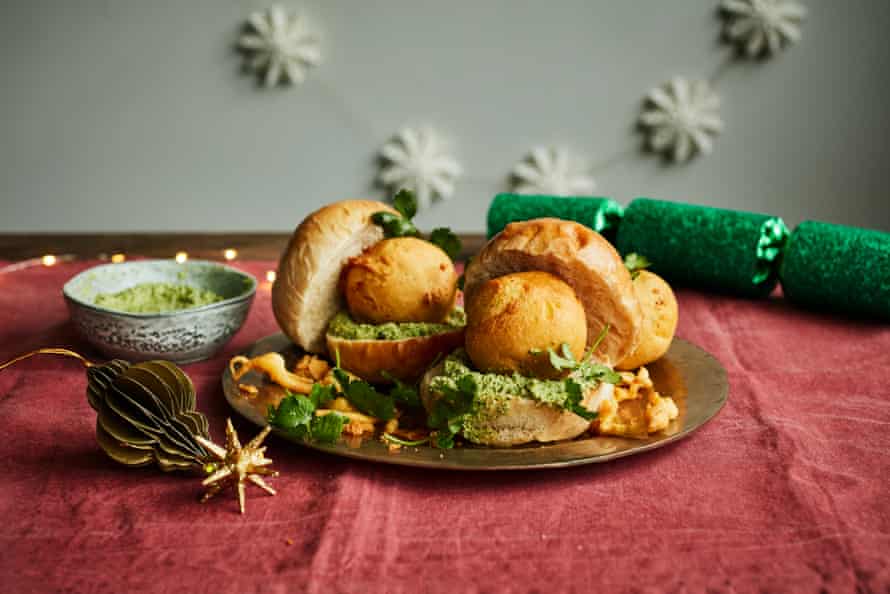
[(788, 489)]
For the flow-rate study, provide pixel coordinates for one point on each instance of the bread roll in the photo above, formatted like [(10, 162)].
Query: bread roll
[(404, 359), (305, 295), (660, 316), (524, 420), (581, 258)]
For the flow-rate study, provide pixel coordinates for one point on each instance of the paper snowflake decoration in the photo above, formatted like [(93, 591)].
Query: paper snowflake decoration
[(418, 160), (281, 47), (762, 27), (682, 117), (552, 171)]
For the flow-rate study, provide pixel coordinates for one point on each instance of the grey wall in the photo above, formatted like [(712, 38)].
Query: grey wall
[(133, 115)]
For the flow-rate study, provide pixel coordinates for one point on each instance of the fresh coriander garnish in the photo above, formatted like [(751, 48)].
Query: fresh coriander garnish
[(599, 339), (328, 428), (585, 369), (564, 361), (405, 442), (573, 402), (447, 240), (635, 262), (321, 395), (295, 414), (406, 203), (403, 393), (450, 411), (364, 397), (400, 225)]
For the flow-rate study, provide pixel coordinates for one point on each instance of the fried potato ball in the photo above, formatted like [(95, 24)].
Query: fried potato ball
[(403, 279), (660, 315), (513, 320)]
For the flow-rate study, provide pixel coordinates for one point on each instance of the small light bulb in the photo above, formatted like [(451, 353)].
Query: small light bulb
[(48, 260), (230, 254), (270, 276), (118, 258), (181, 257)]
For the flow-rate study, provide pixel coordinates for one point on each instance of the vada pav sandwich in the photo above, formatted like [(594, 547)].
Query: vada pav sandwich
[(551, 308), (382, 307)]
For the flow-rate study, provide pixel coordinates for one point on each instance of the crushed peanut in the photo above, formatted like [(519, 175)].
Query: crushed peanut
[(637, 409)]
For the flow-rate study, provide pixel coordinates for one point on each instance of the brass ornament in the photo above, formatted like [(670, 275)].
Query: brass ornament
[(145, 412), (237, 465)]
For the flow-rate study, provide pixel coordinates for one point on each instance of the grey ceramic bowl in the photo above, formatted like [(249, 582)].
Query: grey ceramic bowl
[(182, 336)]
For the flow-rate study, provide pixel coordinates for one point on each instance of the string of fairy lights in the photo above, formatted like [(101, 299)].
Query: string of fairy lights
[(229, 255)]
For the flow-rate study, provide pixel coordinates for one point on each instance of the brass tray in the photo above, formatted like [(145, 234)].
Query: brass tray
[(691, 376)]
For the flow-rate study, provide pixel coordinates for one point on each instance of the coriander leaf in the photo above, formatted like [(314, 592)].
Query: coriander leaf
[(450, 410), (321, 395), (405, 442), (447, 240), (394, 225), (406, 203), (573, 402), (635, 263), (564, 361), (443, 440), (327, 428), (595, 372), (599, 339), (383, 218), (402, 392), (292, 412), (365, 398)]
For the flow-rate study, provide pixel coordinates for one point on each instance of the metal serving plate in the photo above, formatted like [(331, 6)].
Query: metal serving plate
[(691, 376)]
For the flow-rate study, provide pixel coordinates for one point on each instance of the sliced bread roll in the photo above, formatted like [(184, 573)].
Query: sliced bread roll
[(517, 420), (405, 359), (584, 260), (660, 317), (305, 295)]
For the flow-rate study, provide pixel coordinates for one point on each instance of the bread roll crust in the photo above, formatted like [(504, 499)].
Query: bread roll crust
[(406, 359), (660, 317), (305, 294), (584, 260)]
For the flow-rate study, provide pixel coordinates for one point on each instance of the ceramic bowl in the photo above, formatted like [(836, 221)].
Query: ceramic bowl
[(182, 336)]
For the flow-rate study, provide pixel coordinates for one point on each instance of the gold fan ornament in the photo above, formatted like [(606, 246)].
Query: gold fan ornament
[(145, 414)]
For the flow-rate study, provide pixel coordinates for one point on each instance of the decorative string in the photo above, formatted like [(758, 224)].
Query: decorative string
[(47, 351)]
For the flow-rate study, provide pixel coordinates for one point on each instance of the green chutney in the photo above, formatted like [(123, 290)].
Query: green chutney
[(343, 326), (494, 391), (156, 298)]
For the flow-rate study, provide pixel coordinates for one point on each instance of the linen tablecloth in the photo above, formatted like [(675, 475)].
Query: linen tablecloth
[(786, 490)]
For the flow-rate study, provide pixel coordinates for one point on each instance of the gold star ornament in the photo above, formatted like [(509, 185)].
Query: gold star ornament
[(237, 465)]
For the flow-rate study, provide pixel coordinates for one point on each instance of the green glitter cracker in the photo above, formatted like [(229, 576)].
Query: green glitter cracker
[(600, 214), (713, 248), (838, 268)]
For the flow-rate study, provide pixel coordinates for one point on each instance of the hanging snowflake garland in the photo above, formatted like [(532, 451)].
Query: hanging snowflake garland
[(681, 118), (417, 159), (552, 171), (762, 27), (280, 46)]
